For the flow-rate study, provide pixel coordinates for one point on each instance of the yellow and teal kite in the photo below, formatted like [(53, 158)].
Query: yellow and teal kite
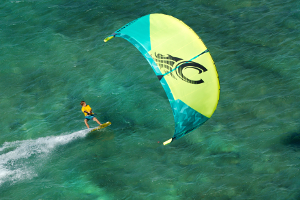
[(182, 64)]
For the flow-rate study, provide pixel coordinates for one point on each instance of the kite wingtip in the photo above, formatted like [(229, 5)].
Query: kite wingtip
[(168, 141), (109, 38)]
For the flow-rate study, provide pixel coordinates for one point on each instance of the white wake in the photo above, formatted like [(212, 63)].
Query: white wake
[(15, 156)]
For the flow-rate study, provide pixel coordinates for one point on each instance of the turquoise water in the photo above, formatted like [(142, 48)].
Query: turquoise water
[(52, 56)]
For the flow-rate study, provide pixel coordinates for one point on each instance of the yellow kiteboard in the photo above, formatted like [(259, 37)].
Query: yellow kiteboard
[(106, 124)]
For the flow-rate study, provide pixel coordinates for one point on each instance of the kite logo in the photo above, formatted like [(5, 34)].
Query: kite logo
[(168, 64)]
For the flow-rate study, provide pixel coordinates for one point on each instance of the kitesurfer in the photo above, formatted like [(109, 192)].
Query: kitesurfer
[(88, 113)]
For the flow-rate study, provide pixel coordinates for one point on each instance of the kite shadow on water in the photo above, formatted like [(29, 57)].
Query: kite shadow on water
[(291, 139)]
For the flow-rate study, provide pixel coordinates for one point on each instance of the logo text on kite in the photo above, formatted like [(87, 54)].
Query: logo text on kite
[(169, 64)]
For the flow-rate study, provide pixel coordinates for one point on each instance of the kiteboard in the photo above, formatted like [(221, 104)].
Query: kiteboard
[(106, 124)]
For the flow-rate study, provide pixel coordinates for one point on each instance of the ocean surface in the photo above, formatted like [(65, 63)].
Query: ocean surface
[(52, 56)]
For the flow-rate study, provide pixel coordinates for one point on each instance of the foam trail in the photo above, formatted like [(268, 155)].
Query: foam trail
[(14, 163)]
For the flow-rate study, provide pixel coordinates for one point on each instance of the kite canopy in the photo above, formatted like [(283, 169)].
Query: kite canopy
[(182, 64)]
